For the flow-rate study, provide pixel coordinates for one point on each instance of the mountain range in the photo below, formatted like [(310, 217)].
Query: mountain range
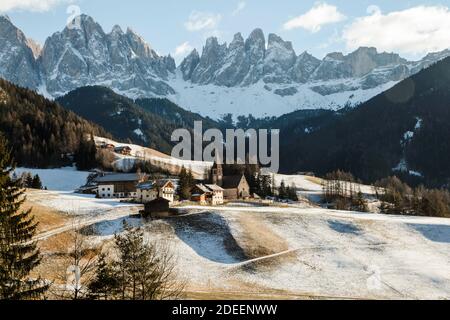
[(247, 76)]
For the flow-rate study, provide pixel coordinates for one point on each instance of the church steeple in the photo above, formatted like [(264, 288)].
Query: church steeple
[(217, 173)]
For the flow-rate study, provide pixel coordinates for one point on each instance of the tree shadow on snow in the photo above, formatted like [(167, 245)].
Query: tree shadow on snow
[(344, 227), (209, 235), (112, 227), (435, 233)]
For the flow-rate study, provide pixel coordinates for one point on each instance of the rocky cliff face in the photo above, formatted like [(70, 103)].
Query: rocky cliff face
[(17, 61), (243, 63), (86, 55), (251, 71)]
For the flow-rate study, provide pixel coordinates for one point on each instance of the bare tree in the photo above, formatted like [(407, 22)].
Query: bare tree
[(77, 268)]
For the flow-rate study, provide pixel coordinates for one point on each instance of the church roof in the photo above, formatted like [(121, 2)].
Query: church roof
[(213, 187), (231, 182)]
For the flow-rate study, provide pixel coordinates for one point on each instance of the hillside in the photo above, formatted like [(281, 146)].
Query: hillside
[(174, 113), (40, 131), (121, 116), (402, 131)]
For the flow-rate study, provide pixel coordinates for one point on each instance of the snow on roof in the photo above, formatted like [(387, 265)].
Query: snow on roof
[(213, 187), (119, 177), (202, 188)]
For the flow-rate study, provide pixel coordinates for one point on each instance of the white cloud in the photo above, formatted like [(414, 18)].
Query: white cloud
[(241, 6), (29, 5), (183, 49), (313, 20), (202, 21), (417, 30)]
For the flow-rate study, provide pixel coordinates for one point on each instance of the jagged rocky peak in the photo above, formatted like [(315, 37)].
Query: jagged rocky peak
[(189, 64), (17, 60), (82, 54), (238, 41), (365, 59), (255, 46), (85, 25), (304, 66), (210, 61), (334, 56), (279, 54), (116, 30), (139, 45)]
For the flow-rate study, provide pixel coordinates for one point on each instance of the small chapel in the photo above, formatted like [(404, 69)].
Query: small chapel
[(235, 187)]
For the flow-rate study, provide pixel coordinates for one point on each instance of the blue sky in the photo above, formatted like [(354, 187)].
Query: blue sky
[(411, 28)]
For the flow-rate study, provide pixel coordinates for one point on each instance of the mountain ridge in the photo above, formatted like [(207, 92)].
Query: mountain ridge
[(252, 75)]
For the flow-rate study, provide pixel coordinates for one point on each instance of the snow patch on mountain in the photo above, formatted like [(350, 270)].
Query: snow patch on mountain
[(214, 101)]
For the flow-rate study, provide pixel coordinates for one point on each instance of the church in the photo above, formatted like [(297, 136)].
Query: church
[(235, 187)]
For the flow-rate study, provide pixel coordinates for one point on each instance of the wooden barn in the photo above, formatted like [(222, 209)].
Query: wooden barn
[(158, 208)]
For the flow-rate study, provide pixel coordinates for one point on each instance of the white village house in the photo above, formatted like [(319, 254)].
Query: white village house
[(118, 185), (152, 190), (216, 197)]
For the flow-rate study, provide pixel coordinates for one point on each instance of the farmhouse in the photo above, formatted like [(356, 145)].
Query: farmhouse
[(234, 187), (118, 185), (215, 195), (152, 190), (199, 194), (207, 194)]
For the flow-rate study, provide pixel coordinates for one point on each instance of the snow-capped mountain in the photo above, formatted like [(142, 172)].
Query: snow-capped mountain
[(17, 61), (86, 55), (264, 78)]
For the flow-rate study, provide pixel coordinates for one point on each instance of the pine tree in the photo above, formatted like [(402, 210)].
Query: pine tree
[(282, 191), (18, 254), (105, 284), (28, 179), (186, 183), (36, 184), (86, 154)]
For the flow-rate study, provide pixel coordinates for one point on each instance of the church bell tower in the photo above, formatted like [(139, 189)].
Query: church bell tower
[(217, 174)]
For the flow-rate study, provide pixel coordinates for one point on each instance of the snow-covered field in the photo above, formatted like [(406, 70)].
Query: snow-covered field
[(75, 204), (64, 179), (284, 251), (328, 253)]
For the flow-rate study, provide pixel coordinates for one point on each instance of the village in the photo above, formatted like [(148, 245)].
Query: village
[(159, 194)]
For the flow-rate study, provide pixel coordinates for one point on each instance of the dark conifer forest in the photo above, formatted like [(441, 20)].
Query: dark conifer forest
[(40, 132)]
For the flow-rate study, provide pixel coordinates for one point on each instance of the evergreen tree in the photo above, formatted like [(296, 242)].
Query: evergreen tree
[(28, 180), (18, 254), (36, 183), (186, 183), (105, 284), (86, 154), (292, 193), (282, 192)]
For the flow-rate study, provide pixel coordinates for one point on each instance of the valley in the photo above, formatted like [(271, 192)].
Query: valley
[(277, 252)]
